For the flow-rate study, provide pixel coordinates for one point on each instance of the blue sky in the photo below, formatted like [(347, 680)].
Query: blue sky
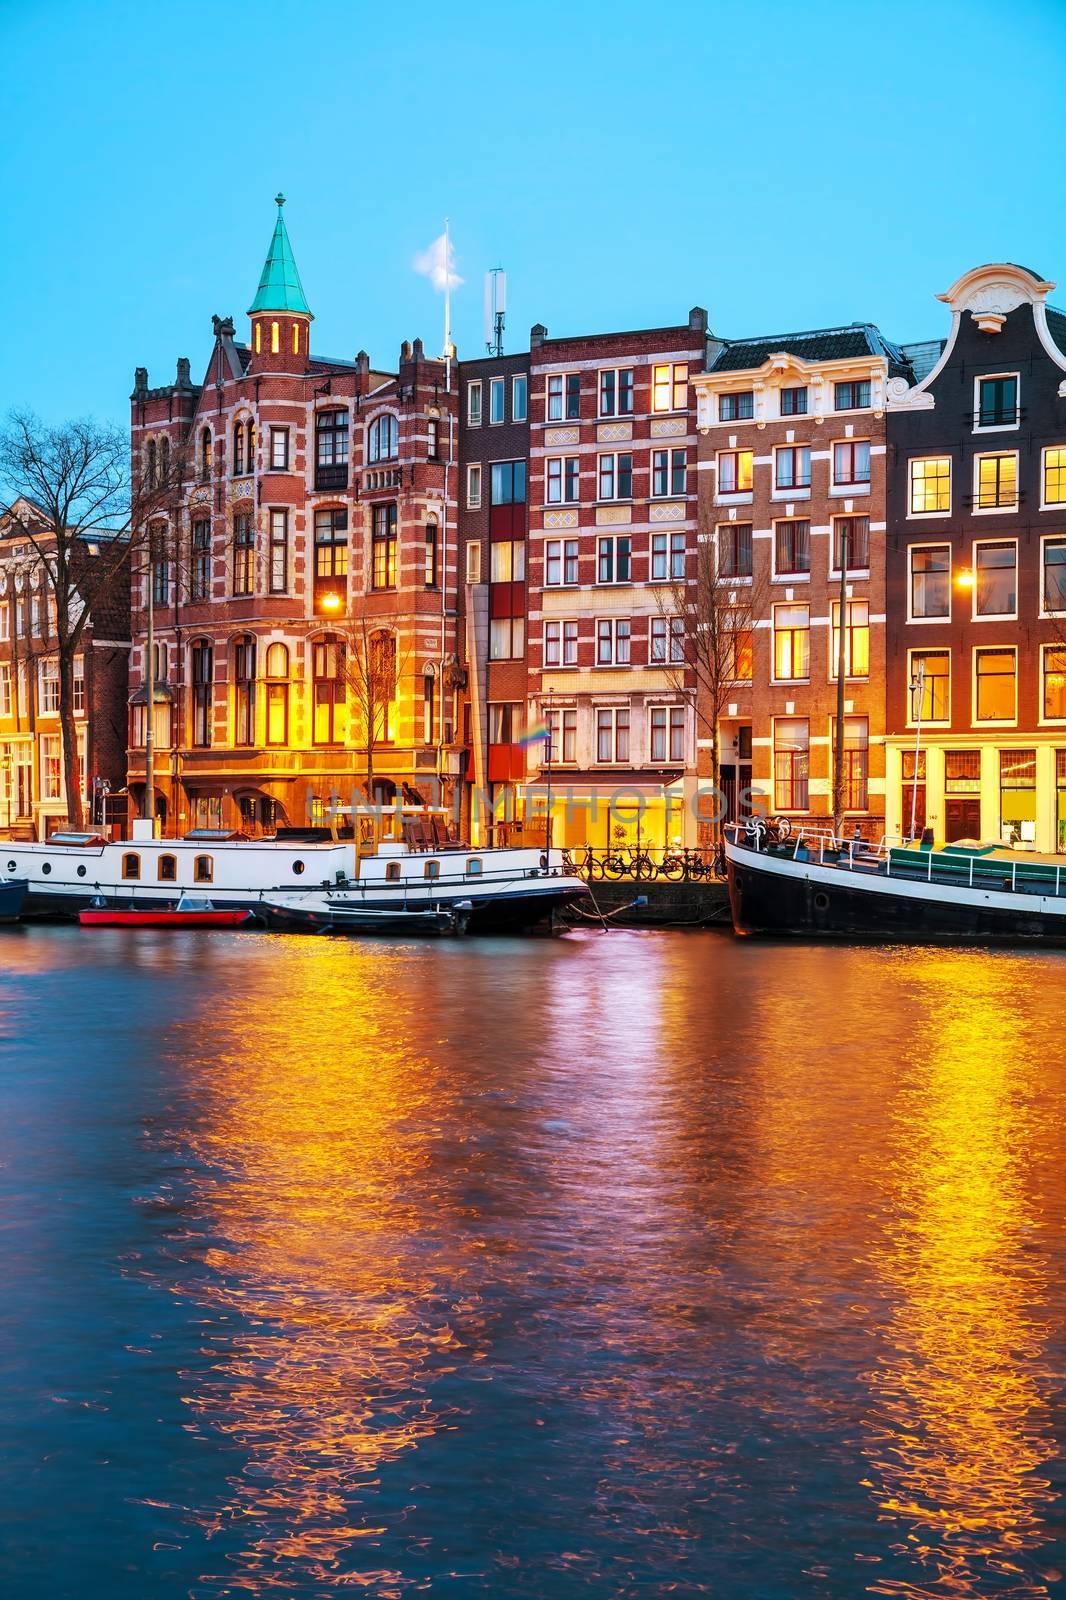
[(785, 166)]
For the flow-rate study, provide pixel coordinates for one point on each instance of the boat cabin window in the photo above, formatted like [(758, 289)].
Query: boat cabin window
[(392, 871), (474, 868), (168, 869), (297, 867), (203, 869), (131, 865), (432, 869)]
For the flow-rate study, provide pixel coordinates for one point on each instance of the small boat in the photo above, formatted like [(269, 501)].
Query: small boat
[(322, 913), (191, 911), (13, 893), (810, 884)]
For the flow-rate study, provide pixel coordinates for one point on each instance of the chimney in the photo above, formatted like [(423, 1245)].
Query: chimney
[(537, 335)]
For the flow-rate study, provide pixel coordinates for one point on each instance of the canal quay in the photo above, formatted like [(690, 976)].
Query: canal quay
[(608, 1265)]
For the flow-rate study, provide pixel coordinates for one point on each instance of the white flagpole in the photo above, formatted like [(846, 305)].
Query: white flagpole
[(447, 308)]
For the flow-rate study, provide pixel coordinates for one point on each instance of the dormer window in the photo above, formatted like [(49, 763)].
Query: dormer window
[(739, 407), (794, 401), (997, 402), (851, 396)]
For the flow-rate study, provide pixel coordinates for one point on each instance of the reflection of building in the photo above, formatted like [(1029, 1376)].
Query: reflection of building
[(977, 570), (792, 459), (314, 549), (32, 788), (612, 520)]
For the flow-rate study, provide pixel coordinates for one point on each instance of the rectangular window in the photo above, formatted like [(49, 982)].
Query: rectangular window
[(930, 685), (383, 547), (854, 396), (243, 555), (508, 483), (616, 393), (856, 761), (734, 549), (738, 644), (51, 766), (669, 386), (507, 560), (996, 673), (473, 488), (997, 402), (562, 483), (506, 638), (473, 403), (566, 723), (1017, 795), (1054, 696), (48, 690), (616, 477), (279, 449), (614, 560), (930, 581), (856, 639), (570, 561), (331, 559), (930, 485), (553, 644), (473, 563), (668, 472), (519, 398), (852, 536), (5, 620), (792, 637), (962, 772), (792, 547), (5, 689), (851, 462), (666, 733), (613, 641), (504, 722), (1055, 476), (739, 407), (331, 449), (570, 643), (666, 640), (734, 471), (560, 561), (279, 552), (791, 763), (430, 573), (497, 388), (612, 733), (792, 466), (1054, 588), (202, 672), (794, 402), (201, 559), (996, 580), (564, 396), (996, 487)]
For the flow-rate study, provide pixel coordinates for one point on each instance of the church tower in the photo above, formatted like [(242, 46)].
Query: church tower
[(281, 317)]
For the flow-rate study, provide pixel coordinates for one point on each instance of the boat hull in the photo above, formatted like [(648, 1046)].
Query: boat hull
[(785, 898), (13, 894), (114, 918)]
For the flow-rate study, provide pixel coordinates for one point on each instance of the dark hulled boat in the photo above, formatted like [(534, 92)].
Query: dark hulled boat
[(812, 887)]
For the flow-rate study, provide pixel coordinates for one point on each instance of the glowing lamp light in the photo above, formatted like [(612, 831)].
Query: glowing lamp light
[(331, 602), (965, 579)]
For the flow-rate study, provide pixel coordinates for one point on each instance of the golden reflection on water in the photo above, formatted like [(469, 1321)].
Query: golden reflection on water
[(308, 1175), (962, 1431)]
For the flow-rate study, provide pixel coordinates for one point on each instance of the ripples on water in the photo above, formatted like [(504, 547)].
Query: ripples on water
[(638, 1265)]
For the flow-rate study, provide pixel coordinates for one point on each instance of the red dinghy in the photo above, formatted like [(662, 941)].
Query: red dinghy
[(190, 912)]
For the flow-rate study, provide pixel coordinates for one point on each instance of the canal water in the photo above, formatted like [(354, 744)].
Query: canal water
[(627, 1265)]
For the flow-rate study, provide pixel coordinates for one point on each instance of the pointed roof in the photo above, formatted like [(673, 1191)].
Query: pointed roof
[(280, 288)]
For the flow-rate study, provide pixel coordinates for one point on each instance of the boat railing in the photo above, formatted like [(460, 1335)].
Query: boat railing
[(974, 871)]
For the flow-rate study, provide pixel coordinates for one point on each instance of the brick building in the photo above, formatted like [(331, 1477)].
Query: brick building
[(32, 788), (792, 471), (977, 571), (314, 550)]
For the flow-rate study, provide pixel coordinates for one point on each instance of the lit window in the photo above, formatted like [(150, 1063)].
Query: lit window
[(296, 338), (669, 386), (507, 560), (995, 673), (1055, 476), (1055, 574), (856, 639), (275, 338), (1054, 701), (383, 547), (258, 339), (791, 763), (930, 581), (997, 481), (931, 669), (734, 471), (930, 481), (996, 580), (792, 635)]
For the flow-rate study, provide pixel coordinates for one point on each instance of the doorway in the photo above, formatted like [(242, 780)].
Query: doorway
[(962, 818)]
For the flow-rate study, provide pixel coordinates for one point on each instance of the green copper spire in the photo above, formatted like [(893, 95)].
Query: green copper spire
[(280, 288)]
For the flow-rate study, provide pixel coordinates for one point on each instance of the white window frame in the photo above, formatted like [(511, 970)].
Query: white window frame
[(474, 412), (1049, 644), (497, 386), (673, 408), (473, 486), (994, 616), (995, 511), (614, 625), (669, 710), (519, 385), (732, 497), (927, 650), (613, 712), (856, 486), (1045, 504), (992, 649), (997, 427), (930, 544), (617, 371), (612, 456), (612, 539), (923, 516), (1045, 539)]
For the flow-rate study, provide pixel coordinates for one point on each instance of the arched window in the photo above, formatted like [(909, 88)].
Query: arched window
[(150, 465), (244, 689), (238, 449), (205, 455), (249, 434), (275, 338), (160, 664), (474, 868), (164, 461), (327, 690), (259, 338), (431, 869), (296, 338), (392, 871), (277, 695), (203, 869), (131, 866), (202, 673), (384, 439), (167, 870)]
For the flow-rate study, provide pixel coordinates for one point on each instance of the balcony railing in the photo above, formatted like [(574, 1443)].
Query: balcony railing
[(335, 477)]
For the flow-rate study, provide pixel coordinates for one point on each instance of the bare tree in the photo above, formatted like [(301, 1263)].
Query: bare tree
[(710, 619), (93, 522), (371, 671)]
